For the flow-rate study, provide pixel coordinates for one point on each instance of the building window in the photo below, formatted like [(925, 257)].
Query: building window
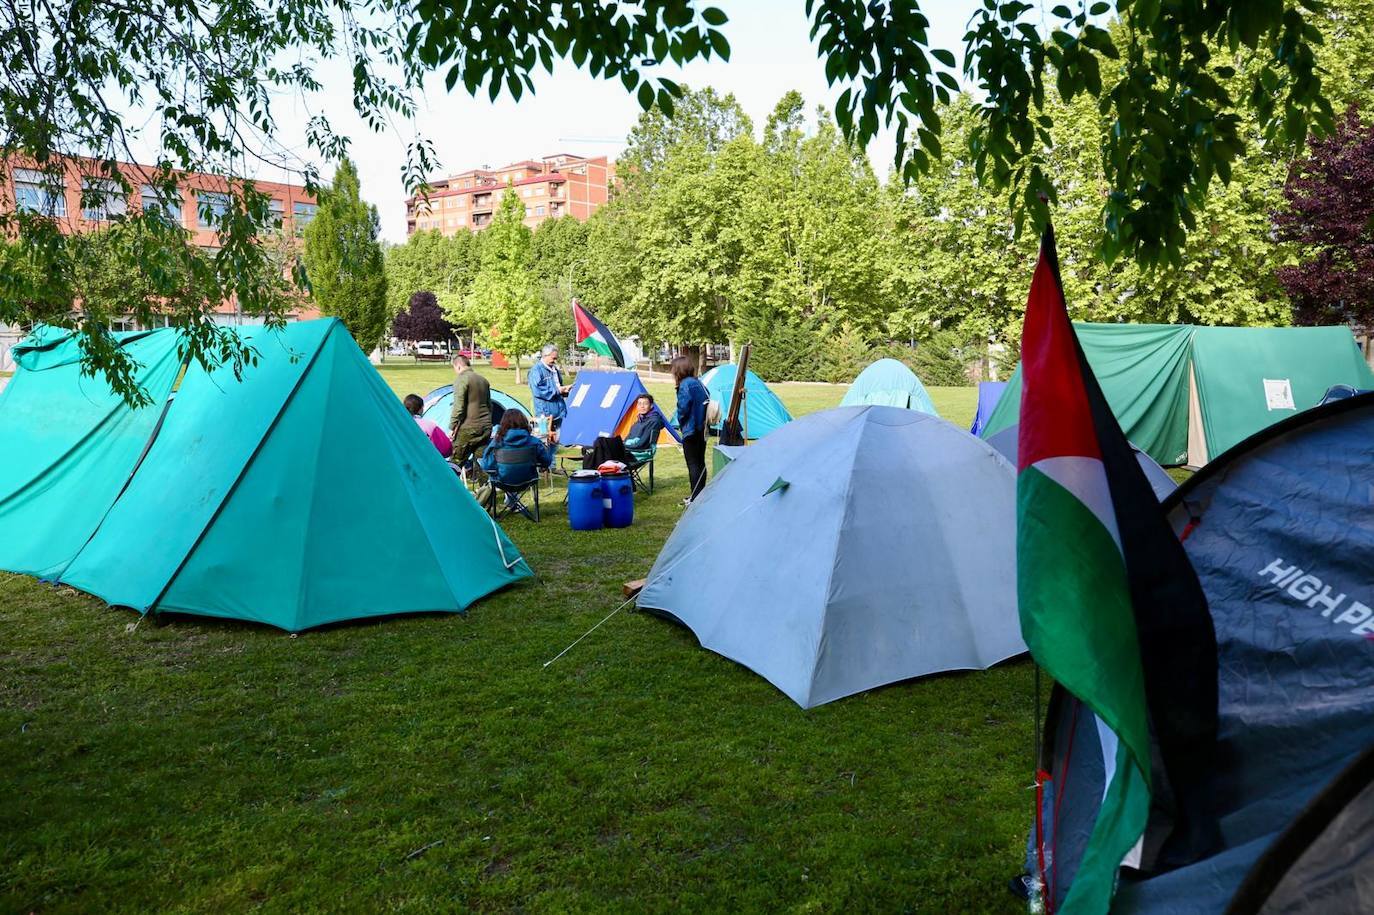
[(211, 208), (302, 214), (539, 211), (102, 199), (156, 205), (276, 212), (35, 192)]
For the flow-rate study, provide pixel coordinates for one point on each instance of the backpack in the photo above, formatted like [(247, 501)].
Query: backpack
[(606, 448)]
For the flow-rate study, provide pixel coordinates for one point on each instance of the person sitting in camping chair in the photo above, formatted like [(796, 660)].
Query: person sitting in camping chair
[(512, 463), (642, 440)]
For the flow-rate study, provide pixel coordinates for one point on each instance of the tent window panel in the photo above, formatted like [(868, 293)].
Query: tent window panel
[(611, 393), (581, 395)]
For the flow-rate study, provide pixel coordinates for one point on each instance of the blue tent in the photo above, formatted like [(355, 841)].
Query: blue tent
[(889, 383), (439, 404), (989, 393), (1278, 531), (763, 412), (602, 402)]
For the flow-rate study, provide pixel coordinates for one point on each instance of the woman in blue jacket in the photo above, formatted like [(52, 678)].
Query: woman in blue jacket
[(691, 421)]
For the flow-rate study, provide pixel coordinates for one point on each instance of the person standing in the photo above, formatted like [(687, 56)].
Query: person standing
[(691, 421), (547, 388), (470, 422)]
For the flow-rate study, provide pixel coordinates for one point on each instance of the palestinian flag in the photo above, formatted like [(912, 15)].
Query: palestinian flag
[(596, 336), (1110, 606)]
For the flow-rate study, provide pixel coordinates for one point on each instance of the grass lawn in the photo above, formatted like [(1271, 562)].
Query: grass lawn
[(433, 763)]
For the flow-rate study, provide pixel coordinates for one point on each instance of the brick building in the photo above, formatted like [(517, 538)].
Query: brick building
[(25, 188), (560, 185)]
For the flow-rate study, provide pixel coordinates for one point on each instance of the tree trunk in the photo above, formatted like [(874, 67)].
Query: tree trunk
[(697, 354), (517, 369)]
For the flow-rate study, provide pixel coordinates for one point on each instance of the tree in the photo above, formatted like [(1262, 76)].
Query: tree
[(1329, 213), (423, 320), (432, 262), (343, 260), (81, 75), (504, 306), (558, 254)]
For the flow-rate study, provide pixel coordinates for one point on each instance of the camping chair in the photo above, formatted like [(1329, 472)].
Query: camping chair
[(513, 498), (639, 461), (517, 474)]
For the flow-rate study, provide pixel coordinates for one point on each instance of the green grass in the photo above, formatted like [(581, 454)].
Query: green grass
[(433, 763)]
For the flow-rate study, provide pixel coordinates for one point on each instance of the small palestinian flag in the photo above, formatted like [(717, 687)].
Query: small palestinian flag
[(1110, 605), (596, 336)]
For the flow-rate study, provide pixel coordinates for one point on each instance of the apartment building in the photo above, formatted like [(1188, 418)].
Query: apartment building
[(86, 201), (554, 186)]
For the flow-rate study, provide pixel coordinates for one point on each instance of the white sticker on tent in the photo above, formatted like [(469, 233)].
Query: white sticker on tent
[(1278, 394), (581, 394), (611, 393)]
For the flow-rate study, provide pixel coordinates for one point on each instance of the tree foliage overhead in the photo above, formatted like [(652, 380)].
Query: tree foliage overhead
[(207, 78), (1330, 214), (343, 260)]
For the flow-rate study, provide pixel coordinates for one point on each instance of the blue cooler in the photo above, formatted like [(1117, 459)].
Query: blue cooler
[(618, 497), (586, 510)]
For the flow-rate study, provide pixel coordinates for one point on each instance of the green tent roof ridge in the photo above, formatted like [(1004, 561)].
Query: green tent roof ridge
[(1185, 393)]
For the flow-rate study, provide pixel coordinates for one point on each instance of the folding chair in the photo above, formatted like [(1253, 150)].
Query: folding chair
[(639, 462), (513, 498)]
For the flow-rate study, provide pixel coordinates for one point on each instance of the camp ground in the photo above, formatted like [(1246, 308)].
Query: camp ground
[(308, 453), (889, 383), (1185, 394), (602, 402), (761, 412)]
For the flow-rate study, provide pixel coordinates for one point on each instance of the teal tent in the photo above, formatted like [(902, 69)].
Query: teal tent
[(889, 383), (763, 412), (1184, 394), (300, 496)]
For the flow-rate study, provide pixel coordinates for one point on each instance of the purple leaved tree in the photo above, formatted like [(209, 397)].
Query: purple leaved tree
[(1329, 212), (423, 320)]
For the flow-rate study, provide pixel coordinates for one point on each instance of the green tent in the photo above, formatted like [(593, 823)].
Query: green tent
[(1184, 394), (302, 495)]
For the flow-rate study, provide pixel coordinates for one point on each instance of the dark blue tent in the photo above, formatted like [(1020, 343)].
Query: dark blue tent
[(989, 393), (1279, 530)]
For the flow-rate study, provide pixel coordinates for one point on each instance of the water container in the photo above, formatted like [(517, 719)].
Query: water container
[(618, 498), (586, 510)]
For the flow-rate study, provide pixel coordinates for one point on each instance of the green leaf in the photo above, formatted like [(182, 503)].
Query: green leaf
[(714, 16), (646, 96)]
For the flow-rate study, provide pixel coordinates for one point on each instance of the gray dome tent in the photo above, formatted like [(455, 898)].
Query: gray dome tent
[(845, 557), (1278, 529)]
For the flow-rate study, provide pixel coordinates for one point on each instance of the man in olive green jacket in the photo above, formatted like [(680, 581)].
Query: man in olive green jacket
[(470, 422)]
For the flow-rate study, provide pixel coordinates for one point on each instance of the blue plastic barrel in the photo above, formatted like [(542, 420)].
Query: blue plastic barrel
[(618, 498), (586, 511)]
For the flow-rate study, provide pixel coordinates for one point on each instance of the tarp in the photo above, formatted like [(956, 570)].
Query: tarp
[(439, 404), (840, 558), (763, 412), (1278, 530), (889, 383), (602, 402), (989, 394), (300, 496), (1183, 393)]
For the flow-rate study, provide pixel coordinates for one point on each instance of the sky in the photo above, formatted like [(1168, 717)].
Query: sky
[(572, 112)]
